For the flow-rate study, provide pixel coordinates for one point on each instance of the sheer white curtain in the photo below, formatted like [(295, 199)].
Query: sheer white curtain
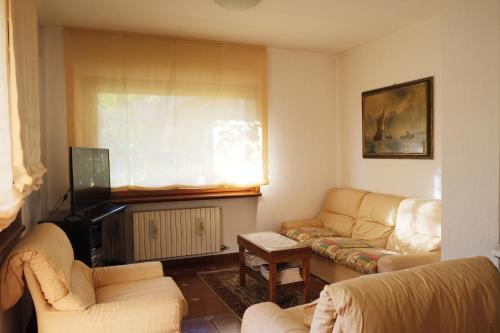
[(174, 113), (21, 170), (24, 96), (10, 198)]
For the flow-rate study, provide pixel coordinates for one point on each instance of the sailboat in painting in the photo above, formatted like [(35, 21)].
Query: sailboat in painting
[(380, 134)]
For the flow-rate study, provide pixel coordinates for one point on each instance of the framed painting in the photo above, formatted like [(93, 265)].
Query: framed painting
[(397, 121)]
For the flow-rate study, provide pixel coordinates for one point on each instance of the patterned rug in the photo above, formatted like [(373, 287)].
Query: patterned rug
[(226, 285)]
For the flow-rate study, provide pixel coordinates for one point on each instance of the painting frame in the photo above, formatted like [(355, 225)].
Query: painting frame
[(368, 138)]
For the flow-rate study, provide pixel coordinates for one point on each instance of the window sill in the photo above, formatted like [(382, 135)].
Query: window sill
[(132, 197)]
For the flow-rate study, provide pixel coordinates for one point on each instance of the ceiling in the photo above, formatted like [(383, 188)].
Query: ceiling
[(316, 25)]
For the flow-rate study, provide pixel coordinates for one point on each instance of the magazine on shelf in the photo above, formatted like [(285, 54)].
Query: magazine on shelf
[(253, 261), (286, 273)]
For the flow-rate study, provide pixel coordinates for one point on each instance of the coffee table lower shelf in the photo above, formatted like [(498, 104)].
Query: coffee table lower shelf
[(265, 282)]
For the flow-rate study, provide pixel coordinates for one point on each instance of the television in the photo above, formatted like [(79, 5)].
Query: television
[(89, 178)]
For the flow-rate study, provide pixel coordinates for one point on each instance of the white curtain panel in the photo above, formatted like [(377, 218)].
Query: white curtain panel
[(21, 170), (10, 198), (175, 113), (24, 96)]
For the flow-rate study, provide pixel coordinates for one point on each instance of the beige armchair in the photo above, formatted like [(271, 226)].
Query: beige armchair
[(71, 297)]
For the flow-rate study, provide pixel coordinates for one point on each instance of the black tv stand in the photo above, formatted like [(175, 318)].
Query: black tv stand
[(94, 233), (101, 211)]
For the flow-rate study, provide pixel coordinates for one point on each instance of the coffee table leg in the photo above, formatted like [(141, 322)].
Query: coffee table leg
[(272, 282), (305, 277), (242, 265)]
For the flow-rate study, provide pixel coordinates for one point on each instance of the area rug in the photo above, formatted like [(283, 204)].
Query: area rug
[(226, 285)]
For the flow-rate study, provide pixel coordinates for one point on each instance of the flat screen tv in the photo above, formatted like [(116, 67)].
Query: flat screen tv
[(89, 178)]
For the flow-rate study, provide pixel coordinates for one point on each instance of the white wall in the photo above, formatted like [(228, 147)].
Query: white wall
[(301, 141), (470, 128), (406, 55), (55, 144), (302, 156)]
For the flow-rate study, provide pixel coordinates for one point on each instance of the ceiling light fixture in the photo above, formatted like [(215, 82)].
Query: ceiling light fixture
[(237, 4)]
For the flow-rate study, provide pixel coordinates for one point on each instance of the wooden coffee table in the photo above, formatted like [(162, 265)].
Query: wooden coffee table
[(274, 248)]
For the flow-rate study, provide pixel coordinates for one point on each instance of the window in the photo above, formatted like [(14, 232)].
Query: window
[(175, 113)]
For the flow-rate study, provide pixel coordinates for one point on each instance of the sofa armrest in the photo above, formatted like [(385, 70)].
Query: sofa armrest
[(396, 263), (269, 318), (104, 276), (301, 223)]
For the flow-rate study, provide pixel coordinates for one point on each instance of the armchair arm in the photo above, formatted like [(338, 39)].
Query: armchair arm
[(143, 314), (270, 318), (103, 276), (301, 223), (396, 263)]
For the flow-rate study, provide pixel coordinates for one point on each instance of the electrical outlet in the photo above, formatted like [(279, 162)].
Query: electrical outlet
[(200, 225)]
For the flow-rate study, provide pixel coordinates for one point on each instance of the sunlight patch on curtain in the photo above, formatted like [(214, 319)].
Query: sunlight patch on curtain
[(174, 113)]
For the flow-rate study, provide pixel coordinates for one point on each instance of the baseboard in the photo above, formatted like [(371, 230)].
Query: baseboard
[(200, 259)]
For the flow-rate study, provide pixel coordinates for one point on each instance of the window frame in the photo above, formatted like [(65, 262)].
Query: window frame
[(144, 196)]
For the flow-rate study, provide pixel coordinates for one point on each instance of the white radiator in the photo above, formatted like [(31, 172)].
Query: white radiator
[(176, 232)]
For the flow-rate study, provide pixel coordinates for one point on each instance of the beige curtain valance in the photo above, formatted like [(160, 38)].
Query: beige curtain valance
[(175, 113)]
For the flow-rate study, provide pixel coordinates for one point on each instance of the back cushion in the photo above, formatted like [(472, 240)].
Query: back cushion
[(51, 258), (376, 218), (425, 295), (340, 209), (341, 225), (81, 290), (418, 227)]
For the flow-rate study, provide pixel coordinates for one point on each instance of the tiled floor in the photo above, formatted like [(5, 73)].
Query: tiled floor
[(207, 313)]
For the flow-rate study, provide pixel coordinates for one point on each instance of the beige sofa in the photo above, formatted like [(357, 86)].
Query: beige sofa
[(358, 232), (453, 296), (71, 297)]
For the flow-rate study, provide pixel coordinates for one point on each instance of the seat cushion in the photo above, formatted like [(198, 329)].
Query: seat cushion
[(163, 287), (418, 227), (81, 290), (328, 246), (305, 234), (363, 260)]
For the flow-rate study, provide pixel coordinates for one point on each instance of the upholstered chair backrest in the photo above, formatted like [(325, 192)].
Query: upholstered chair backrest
[(418, 227), (414, 300), (66, 284)]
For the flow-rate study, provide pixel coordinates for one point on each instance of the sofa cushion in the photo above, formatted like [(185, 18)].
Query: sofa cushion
[(344, 201), (81, 290), (363, 260), (340, 225), (161, 287), (294, 224), (328, 246), (304, 234), (376, 218), (418, 227)]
